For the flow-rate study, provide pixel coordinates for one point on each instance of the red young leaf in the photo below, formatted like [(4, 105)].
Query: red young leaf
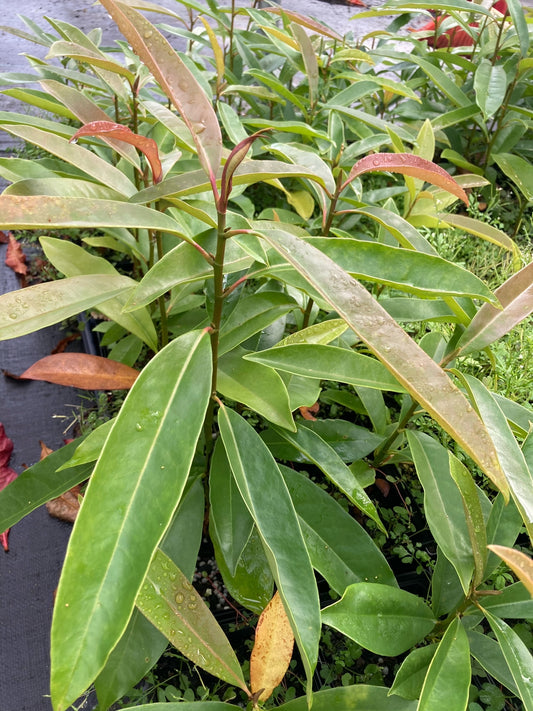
[(115, 130), (15, 258), (408, 164), (79, 370), (7, 475)]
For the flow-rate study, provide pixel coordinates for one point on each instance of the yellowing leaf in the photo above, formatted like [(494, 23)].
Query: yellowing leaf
[(520, 563), (272, 650)]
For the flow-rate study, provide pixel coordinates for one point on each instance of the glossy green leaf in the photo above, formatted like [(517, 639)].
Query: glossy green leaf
[(171, 603), (402, 231), (314, 449), (448, 679), (176, 80), (100, 580), (310, 60), (516, 11), (519, 170), (328, 363), (411, 310), (340, 549), (55, 212), (491, 323), (446, 588), (518, 658), (350, 441), (186, 706), (251, 315), (490, 85), (514, 465), (421, 274), (360, 696), (414, 370), (184, 264), (443, 505), (40, 483), (72, 260), (410, 677), (268, 500), (256, 386), (62, 187), (42, 305), (91, 164), (489, 654), (513, 602), (321, 333), (40, 100), (229, 518), (381, 618), (473, 516), (503, 526), (86, 55), (91, 447), (252, 584)]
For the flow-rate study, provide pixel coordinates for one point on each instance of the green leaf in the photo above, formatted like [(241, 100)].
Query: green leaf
[(402, 231), (170, 602), (321, 333), (328, 363), (351, 442), (447, 683), (518, 658), (100, 579), (176, 80), (95, 167), (360, 696), (340, 549), (443, 504), (313, 447), (517, 169), (19, 212), (187, 706), (40, 483), (481, 229), (421, 274), (383, 619), (256, 386), (520, 24), (42, 305), (72, 260), (490, 85), (446, 588), (491, 323), (91, 447), (184, 264), (514, 465), (268, 500), (489, 654), (417, 372), (503, 526), (410, 677), (229, 518), (473, 516), (251, 315), (86, 55), (310, 60), (513, 602)]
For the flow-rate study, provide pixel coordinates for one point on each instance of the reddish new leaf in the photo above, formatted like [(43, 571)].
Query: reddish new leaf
[(408, 164), (15, 258), (115, 130), (7, 475), (272, 650), (79, 370)]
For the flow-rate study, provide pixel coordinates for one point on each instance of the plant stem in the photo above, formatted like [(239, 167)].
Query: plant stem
[(218, 278), (382, 450)]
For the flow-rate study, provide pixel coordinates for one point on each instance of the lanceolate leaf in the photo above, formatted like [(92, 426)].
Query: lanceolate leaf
[(519, 562), (519, 170), (383, 619), (272, 650), (170, 602), (115, 130), (325, 458), (360, 696), (518, 658), (84, 371), (408, 164), (35, 307), (490, 84), (491, 323), (268, 500), (175, 79), (447, 682), (100, 579), (414, 369)]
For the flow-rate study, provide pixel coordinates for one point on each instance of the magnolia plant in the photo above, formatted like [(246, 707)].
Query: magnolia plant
[(227, 330)]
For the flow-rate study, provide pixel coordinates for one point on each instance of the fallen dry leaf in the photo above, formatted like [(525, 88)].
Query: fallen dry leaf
[(4, 237), (66, 506), (308, 412), (272, 652), (15, 258), (80, 370), (7, 475)]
